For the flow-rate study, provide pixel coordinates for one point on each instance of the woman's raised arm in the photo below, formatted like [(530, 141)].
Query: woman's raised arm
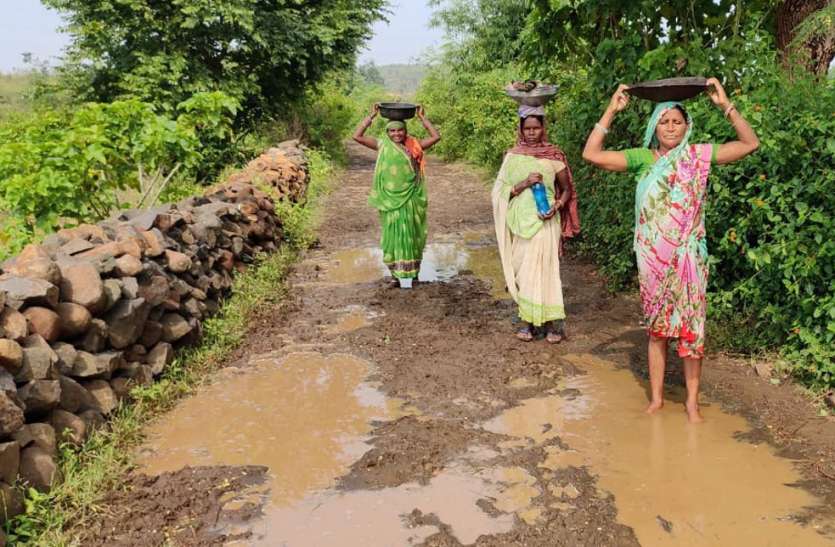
[(434, 136), (747, 140), (593, 152), (359, 132)]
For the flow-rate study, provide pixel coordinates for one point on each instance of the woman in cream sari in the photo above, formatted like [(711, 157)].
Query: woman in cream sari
[(529, 243)]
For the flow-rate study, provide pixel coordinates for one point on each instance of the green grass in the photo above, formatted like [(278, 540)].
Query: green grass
[(98, 466)]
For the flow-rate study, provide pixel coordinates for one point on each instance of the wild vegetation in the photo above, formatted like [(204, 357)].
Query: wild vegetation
[(185, 97), (155, 99), (769, 217), (98, 465)]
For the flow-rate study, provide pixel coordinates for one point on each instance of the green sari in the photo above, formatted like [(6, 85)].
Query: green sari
[(399, 194)]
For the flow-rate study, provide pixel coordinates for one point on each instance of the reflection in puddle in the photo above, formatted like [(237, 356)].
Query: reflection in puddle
[(487, 266), (711, 488), (356, 266), (441, 262), (304, 416), (363, 517)]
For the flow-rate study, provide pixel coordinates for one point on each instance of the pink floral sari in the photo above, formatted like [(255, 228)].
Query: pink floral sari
[(672, 254), (670, 245)]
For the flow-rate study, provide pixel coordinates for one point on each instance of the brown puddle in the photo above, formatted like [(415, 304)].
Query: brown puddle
[(350, 319), (305, 416), (699, 482), (381, 517), (441, 262)]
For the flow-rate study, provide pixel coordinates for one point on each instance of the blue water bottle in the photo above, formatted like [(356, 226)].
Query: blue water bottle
[(541, 198)]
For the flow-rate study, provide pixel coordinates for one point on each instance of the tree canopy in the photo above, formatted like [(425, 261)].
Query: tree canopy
[(262, 53)]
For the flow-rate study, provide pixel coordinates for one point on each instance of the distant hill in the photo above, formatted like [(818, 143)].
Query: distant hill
[(402, 79)]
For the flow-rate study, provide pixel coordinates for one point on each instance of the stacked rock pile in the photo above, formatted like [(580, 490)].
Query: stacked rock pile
[(97, 309), (283, 168)]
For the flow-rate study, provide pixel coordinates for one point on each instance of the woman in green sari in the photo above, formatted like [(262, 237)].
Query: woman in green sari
[(399, 192)]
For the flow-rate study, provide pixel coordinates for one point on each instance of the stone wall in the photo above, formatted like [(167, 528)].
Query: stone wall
[(97, 309)]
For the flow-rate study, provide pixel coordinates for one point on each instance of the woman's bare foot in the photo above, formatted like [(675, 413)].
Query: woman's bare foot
[(694, 415), (655, 406)]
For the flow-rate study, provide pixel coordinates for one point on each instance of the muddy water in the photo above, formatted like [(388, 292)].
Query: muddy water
[(305, 416), (381, 517), (356, 266), (699, 482), (349, 319), (441, 262)]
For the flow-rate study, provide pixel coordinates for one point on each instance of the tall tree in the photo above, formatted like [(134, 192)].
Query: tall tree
[(486, 32), (262, 52), (807, 28)]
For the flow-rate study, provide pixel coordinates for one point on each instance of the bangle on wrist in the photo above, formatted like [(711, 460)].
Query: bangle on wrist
[(730, 109), (603, 129)]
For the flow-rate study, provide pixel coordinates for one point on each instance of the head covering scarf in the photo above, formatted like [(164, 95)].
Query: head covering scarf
[(569, 215), (525, 111), (666, 164)]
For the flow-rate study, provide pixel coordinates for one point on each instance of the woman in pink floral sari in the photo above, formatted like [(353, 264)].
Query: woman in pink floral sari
[(669, 227)]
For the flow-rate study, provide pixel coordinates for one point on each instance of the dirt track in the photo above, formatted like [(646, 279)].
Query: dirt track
[(549, 440)]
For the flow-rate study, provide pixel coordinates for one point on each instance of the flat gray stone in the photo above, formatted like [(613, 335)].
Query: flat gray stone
[(23, 291)]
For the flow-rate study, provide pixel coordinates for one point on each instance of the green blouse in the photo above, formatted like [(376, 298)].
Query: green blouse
[(640, 160)]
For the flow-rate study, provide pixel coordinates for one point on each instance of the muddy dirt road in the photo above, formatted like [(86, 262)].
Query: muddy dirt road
[(359, 414)]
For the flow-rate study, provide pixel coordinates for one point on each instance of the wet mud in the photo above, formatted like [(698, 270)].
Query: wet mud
[(384, 416), (188, 507)]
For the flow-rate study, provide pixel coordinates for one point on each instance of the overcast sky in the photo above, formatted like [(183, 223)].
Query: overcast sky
[(405, 37), (26, 25)]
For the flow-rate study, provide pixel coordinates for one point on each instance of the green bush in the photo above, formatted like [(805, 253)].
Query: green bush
[(769, 217), (64, 167)]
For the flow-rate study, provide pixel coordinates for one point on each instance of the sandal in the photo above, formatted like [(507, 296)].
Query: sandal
[(525, 334), (554, 336)]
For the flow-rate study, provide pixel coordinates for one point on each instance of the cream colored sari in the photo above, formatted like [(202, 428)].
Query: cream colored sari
[(529, 246)]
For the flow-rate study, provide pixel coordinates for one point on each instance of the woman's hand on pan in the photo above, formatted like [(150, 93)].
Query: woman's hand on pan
[(717, 93), (421, 112), (375, 109), (619, 100)]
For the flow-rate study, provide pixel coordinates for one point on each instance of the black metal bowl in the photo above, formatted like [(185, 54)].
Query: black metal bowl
[(669, 89), (398, 111)]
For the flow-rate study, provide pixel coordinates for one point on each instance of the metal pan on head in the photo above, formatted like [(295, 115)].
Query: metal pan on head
[(669, 89), (398, 111), (537, 96)]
